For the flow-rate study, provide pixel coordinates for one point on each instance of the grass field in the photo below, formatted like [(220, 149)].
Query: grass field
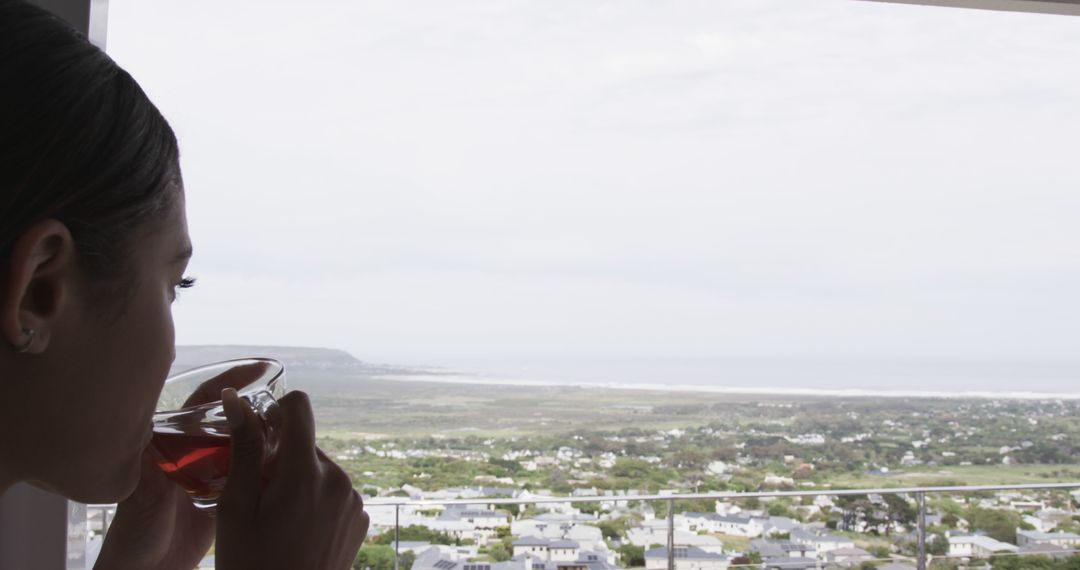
[(731, 542), (405, 409)]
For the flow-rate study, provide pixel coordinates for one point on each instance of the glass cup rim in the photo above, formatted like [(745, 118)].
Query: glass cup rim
[(265, 383)]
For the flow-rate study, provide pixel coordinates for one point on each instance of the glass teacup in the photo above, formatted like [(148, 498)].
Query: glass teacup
[(191, 435)]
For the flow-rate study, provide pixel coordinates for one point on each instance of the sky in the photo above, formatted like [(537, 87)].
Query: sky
[(430, 181)]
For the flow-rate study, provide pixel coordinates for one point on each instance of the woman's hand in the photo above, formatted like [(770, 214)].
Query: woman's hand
[(298, 511), (158, 527)]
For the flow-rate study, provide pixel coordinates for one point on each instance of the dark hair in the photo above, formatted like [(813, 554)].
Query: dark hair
[(80, 141)]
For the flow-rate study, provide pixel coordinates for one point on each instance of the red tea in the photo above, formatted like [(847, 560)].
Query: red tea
[(199, 462)]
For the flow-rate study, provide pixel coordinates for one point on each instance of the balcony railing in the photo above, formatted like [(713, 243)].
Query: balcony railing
[(919, 494)]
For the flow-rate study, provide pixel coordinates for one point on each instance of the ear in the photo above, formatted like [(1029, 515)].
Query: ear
[(35, 285)]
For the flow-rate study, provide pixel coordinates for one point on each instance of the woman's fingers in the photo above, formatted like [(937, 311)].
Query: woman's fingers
[(241, 495), (296, 448), (236, 378), (303, 513)]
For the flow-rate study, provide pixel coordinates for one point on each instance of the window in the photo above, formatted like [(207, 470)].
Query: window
[(811, 196)]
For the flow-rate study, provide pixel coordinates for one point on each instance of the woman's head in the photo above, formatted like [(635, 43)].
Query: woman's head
[(81, 141), (93, 242)]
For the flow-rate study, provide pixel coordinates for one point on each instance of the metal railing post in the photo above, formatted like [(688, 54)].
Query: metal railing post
[(671, 534), (397, 536), (920, 500)]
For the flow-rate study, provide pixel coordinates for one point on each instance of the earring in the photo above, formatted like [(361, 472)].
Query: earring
[(29, 341)]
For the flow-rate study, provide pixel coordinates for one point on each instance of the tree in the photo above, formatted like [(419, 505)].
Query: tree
[(589, 507), (780, 509), (375, 557), (900, 510), (505, 465), (937, 544), (499, 553), (418, 533), (685, 505), (632, 555), (612, 529), (999, 525)]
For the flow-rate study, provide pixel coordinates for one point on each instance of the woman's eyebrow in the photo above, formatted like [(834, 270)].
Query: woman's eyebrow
[(184, 255)]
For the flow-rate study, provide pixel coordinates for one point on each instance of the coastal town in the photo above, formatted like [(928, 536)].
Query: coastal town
[(490, 503), (604, 530), (477, 477)]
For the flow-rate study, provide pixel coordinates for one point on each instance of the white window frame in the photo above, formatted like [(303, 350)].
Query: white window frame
[(1062, 7), (42, 531)]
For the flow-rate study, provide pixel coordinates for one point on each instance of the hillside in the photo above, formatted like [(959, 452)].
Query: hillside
[(293, 357)]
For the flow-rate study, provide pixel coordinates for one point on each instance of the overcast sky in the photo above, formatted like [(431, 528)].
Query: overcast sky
[(419, 182)]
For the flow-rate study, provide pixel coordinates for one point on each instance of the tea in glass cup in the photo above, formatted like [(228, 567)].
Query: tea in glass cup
[(191, 441)]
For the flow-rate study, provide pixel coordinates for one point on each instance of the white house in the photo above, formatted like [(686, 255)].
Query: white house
[(563, 550), (1038, 524), (724, 524), (540, 528), (594, 561), (822, 543), (565, 517), (586, 561), (777, 481), (548, 550), (649, 535), (779, 525), (561, 508), (727, 508), (1050, 518), (740, 526), (479, 518), (532, 545), (1027, 506), (588, 537), (791, 564), (686, 558), (770, 549), (1028, 537), (977, 546), (459, 529), (848, 556)]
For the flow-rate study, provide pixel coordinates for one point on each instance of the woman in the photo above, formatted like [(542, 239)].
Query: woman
[(93, 247)]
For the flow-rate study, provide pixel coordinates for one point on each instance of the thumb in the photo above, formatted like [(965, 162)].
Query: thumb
[(241, 495)]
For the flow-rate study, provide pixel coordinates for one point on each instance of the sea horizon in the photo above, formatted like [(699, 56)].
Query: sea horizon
[(1032, 380)]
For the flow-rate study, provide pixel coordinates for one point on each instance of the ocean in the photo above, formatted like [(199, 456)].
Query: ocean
[(854, 377)]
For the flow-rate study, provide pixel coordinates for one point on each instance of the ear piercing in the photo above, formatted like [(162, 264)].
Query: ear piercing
[(29, 334)]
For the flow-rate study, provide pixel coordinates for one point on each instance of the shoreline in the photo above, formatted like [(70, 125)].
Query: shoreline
[(443, 378)]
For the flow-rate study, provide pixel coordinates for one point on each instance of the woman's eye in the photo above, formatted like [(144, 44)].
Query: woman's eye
[(185, 283)]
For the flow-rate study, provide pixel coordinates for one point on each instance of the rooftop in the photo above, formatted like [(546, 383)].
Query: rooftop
[(685, 552)]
